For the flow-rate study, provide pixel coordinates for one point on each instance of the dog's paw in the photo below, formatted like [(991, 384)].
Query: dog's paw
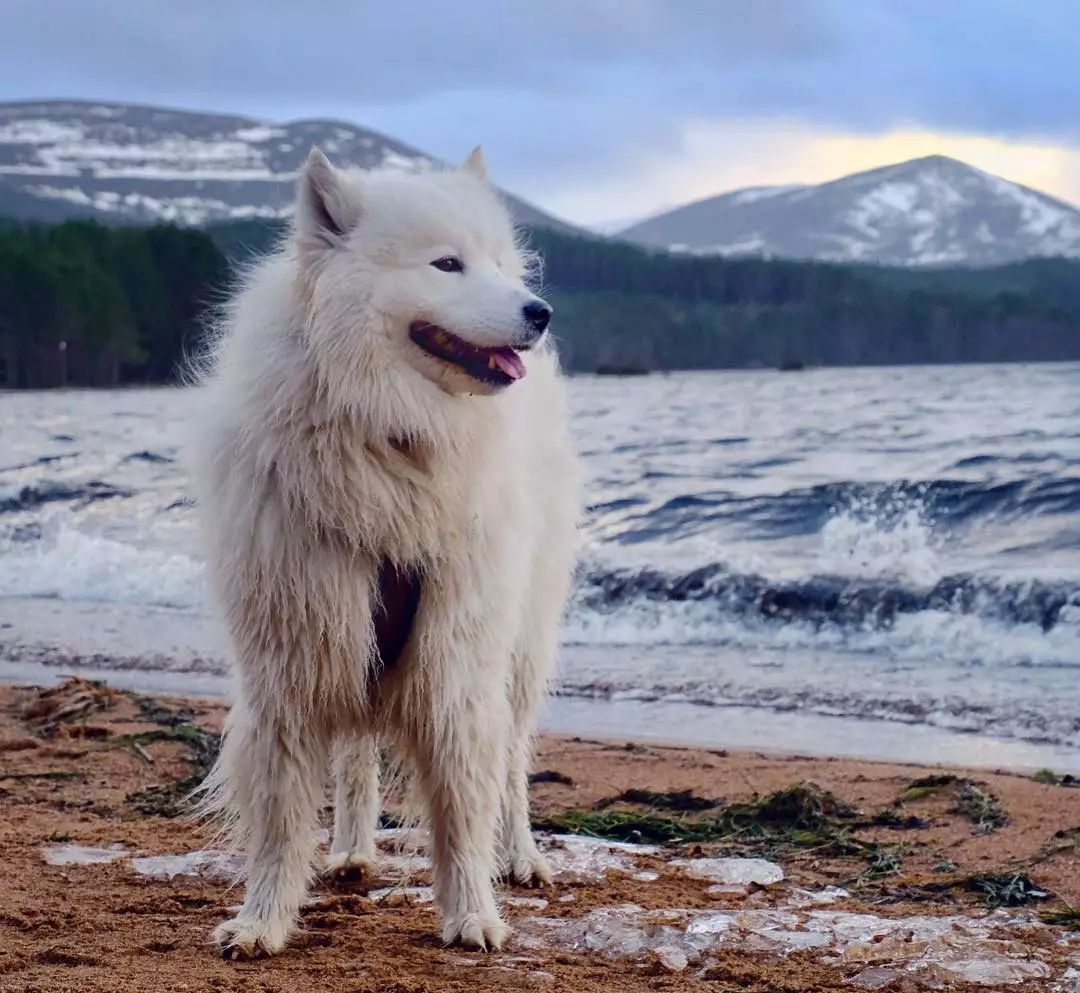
[(524, 866), (349, 866), (529, 869), (486, 932), (249, 938)]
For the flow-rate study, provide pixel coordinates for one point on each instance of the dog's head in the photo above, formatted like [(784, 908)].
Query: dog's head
[(413, 275)]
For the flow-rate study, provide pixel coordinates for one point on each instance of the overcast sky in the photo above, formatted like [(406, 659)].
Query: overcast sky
[(600, 110)]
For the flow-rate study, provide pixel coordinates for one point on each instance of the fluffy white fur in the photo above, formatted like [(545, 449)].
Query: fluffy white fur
[(327, 442)]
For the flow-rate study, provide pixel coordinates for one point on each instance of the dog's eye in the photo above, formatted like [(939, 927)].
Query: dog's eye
[(449, 263)]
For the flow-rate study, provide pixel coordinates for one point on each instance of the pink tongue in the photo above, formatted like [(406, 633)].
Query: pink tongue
[(510, 362)]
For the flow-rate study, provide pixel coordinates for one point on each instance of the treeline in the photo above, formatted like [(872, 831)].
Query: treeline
[(625, 307), (87, 305)]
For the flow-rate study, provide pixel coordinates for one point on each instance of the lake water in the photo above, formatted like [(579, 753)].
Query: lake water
[(880, 562)]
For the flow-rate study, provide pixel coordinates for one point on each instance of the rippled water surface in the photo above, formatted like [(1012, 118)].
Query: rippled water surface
[(890, 547)]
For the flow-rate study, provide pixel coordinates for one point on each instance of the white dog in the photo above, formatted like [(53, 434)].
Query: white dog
[(390, 500)]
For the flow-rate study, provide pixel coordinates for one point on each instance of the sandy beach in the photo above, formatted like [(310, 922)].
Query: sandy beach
[(849, 874)]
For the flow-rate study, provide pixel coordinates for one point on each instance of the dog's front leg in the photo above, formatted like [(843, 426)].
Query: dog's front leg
[(461, 760), (273, 775)]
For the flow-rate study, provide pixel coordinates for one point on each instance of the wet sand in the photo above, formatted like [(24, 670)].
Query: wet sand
[(889, 872)]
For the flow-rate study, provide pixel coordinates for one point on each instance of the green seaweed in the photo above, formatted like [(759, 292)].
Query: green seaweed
[(800, 816), (885, 861), (682, 800), (1066, 917), (550, 776), (50, 774), (171, 799), (1010, 889), (996, 889), (621, 825), (978, 805), (1051, 778), (803, 815), (804, 805), (926, 786), (983, 809), (894, 817)]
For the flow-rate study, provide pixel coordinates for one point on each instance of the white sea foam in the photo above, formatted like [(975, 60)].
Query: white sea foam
[(863, 543), (73, 565), (969, 639)]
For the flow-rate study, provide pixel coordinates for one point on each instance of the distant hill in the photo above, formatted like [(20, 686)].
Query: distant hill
[(127, 163), (931, 211), (122, 162)]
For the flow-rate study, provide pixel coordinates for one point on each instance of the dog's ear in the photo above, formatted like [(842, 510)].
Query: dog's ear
[(327, 204), (475, 163)]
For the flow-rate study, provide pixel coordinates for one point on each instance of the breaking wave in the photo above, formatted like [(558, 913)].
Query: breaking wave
[(72, 565)]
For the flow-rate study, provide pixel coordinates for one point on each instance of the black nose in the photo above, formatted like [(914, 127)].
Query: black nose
[(537, 314)]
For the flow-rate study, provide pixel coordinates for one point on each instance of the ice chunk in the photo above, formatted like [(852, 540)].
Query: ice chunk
[(81, 854), (936, 952), (875, 977), (615, 931), (576, 858), (536, 975), (398, 896), (402, 838), (781, 941), (731, 872), (207, 862), (671, 957), (816, 898), (711, 924), (525, 902), (614, 925), (404, 865), (1070, 981), (992, 970)]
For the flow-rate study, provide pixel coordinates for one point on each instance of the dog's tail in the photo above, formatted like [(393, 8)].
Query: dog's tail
[(215, 803)]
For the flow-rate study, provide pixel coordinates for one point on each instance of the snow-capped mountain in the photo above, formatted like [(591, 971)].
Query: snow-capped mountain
[(928, 211), (125, 162)]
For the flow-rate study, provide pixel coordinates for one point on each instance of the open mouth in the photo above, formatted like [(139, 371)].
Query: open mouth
[(495, 366)]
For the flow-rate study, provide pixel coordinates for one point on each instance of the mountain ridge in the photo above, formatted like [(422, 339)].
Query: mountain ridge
[(929, 211), (140, 163)]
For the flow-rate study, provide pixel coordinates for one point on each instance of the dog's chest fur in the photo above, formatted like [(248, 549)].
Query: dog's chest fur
[(406, 507)]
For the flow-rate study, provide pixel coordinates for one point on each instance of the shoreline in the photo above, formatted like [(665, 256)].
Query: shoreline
[(559, 729), (733, 727)]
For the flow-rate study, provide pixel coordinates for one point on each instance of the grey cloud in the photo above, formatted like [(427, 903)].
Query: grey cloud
[(563, 85)]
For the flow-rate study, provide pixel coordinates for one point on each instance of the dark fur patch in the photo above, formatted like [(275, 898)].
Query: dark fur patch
[(399, 599)]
